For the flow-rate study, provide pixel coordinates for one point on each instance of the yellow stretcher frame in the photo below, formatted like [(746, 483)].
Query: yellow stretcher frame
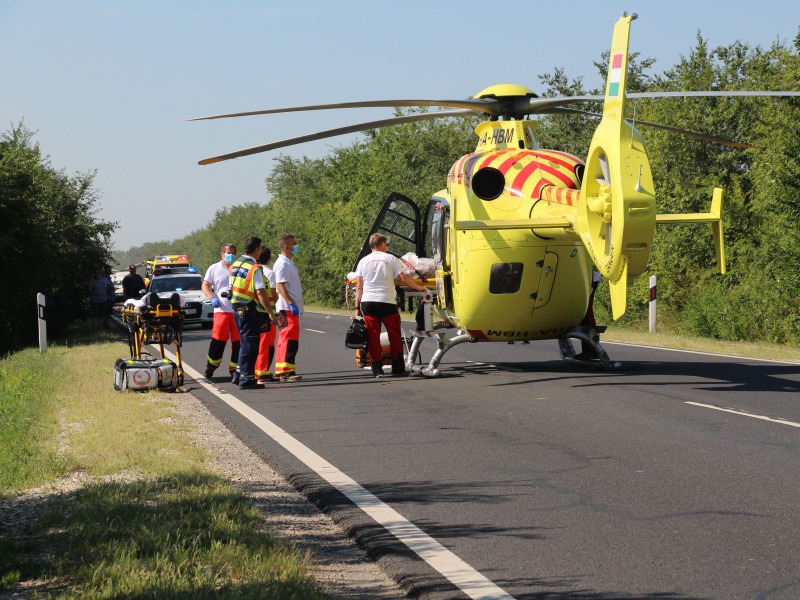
[(160, 325)]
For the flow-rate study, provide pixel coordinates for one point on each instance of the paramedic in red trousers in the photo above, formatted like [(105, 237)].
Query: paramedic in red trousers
[(290, 304), (252, 311), (216, 282), (266, 346), (376, 299)]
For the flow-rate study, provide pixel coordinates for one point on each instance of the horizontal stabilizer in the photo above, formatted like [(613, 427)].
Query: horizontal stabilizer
[(714, 217)]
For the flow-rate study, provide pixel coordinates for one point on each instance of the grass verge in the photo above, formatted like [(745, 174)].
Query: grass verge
[(153, 521)]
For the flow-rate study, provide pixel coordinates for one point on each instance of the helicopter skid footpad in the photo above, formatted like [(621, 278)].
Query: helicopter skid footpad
[(588, 336), (444, 344)]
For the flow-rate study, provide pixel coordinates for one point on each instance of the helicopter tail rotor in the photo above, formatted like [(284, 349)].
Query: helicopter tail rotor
[(617, 217)]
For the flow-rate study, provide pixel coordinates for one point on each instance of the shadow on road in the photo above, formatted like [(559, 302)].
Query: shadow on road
[(710, 376)]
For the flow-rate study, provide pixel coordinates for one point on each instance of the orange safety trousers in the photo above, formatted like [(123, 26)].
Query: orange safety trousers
[(266, 351)]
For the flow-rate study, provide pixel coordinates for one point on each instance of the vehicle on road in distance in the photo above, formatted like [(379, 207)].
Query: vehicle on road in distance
[(165, 262), (196, 307), (116, 279)]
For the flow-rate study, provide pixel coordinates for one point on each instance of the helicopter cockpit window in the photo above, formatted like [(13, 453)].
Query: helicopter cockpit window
[(436, 220), (505, 278), (399, 226)]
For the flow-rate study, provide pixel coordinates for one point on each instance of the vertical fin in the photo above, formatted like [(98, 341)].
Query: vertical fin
[(619, 294), (616, 220), (617, 78), (716, 228)]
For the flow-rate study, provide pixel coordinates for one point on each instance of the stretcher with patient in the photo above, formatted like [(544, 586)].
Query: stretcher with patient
[(407, 296)]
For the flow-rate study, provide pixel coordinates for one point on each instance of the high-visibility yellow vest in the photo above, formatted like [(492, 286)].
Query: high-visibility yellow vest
[(242, 286), (273, 299)]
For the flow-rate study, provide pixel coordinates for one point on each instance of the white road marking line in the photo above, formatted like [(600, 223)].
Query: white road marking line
[(315, 330), (746, 414), (458, 572), (742, 358)]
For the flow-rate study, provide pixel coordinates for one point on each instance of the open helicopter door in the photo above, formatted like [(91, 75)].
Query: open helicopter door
[(399, 222)]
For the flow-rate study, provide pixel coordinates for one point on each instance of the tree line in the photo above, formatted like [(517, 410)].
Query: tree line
[(51, 240), (329, 203)]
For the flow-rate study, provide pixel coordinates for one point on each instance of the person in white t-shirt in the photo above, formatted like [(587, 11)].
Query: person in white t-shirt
[(216, 282), (290, 305), (376, 300)]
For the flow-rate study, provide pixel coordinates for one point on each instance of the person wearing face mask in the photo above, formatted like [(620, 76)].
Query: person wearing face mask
[(216, 282), (290, 305)]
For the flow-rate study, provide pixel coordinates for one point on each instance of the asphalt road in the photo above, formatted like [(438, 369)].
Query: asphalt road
[(519, 475)]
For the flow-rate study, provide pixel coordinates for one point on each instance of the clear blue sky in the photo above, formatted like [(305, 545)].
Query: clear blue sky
[(108, 85)]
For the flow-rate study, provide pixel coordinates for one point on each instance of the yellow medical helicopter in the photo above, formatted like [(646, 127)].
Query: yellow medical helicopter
[(518, 230)]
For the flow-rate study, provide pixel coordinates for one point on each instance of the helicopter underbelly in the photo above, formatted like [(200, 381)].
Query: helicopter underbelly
[(515, 294)]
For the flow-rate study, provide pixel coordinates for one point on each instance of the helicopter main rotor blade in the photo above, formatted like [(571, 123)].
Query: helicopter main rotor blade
[(492, 106), (320, 135), (483, 105), (702, 136), (546, 105), (713, 94)]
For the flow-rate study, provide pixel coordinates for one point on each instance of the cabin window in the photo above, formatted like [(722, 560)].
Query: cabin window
[(436, 240), (505, 278)]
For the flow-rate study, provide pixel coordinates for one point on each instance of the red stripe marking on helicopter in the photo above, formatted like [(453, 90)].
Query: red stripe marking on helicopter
[(477, 334), (537, 191), (532, 167), (459, 168), (522, 177), (526, 173), (560, 158), (468, 168), (561, 195), (510, 162), (568, 181), (494, 156)]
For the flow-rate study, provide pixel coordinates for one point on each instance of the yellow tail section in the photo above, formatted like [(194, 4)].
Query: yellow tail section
[(617, 218), (714, 217)]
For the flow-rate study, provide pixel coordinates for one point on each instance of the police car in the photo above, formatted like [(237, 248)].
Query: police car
[(187, 283)]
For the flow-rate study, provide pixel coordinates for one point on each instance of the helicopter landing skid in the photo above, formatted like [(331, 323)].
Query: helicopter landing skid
[(444, 344), (590, 336)]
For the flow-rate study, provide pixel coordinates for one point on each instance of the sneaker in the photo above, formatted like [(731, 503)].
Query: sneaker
[(235, 378), (251, 384), (209, 372), (265, 379), (290, 378)]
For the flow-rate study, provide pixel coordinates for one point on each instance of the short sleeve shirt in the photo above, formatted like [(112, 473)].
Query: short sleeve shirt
[(287, 274), (219, 278), (378, 270)]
